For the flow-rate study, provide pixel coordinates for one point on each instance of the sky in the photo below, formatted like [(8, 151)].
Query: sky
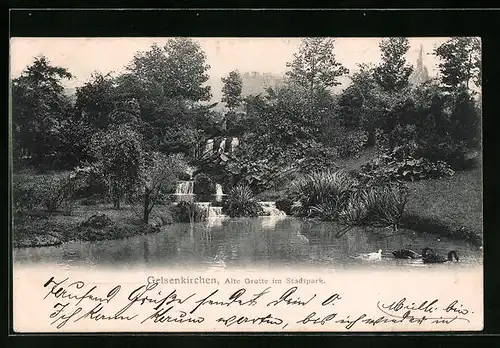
[(82, 56)]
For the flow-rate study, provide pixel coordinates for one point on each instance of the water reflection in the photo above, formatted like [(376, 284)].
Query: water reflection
[(248, 242)]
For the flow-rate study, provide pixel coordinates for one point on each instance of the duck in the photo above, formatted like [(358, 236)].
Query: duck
[(429, 256), (371, 256), (406, 254)]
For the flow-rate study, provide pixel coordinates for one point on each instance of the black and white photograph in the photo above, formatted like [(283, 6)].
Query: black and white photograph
[(227, 155)]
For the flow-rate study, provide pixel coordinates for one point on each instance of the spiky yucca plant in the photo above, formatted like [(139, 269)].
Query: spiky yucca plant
[(385, 204), (322, 191), (241, 202), (355, 212)]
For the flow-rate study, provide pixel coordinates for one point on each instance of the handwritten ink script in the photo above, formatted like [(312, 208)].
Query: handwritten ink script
[(245, 304)]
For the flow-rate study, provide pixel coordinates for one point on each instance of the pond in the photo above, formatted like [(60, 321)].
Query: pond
[(250, 243)]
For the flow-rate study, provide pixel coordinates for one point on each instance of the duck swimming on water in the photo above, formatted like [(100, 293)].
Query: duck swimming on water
[(406, 254), (429, 256)]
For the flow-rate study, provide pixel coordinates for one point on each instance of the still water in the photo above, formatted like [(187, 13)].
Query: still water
[(250, 243)]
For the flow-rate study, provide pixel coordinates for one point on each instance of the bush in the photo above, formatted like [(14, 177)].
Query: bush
[(93, 184), (321, 190), (336, 196), (188, 212), (241, 202), (383, 205), (24, 198), (453, 153), (97, 221), (203, 185), (349, 143), (50, 192), (399, 165)]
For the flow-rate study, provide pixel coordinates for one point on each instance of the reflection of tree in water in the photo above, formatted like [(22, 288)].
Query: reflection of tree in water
[(128, 252), (145, 247), (287, 242), (243, 242), (71, 254)]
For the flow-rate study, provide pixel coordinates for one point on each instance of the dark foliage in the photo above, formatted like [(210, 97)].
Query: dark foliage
[(241, 202)]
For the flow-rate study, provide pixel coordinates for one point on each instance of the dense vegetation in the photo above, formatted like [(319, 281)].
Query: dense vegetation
[(128, 138)]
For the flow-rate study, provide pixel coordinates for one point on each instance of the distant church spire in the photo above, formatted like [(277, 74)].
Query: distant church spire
[(420, 60), (420, 73)]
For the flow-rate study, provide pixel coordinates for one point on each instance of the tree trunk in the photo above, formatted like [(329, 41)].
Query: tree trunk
[(370, 142), (145, 217)]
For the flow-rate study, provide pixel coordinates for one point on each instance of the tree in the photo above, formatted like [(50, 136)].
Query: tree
[(160, 175), (315, 65), (119, 159), (460, 62), (95, 100), (168, 84), (465, 119), (39, 110), (392, 74), (186, 70), (361, 102), (231, 90)]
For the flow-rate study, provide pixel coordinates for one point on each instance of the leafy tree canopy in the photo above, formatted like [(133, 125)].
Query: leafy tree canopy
[(315, 65)]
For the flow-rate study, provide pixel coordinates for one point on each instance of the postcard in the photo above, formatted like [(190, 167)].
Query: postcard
[(186, 184)]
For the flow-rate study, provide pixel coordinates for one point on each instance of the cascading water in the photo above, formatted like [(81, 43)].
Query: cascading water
[(209, 147), (212, 212), (215, 212), (218, 193), (271, 210), (272, 215), (184, 188), (234, 144), (222, 146)]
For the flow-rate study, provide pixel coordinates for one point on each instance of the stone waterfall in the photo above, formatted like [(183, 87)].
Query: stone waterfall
[(184, 190), (271, 210), (210, 149)]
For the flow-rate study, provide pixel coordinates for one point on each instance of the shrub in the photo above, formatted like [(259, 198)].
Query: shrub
[(188, 212), (401, 165), (203, 185), (320, 188), (379, 205), (336, 196), (49, 192), (328, 210), (97, 221), (241, 202), (93, 184), (451, 152), (24, 198), (355, 211), (384, 205), (349, 143)]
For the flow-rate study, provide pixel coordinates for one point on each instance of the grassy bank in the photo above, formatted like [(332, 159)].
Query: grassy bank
[(451, 207), (54, 229)]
